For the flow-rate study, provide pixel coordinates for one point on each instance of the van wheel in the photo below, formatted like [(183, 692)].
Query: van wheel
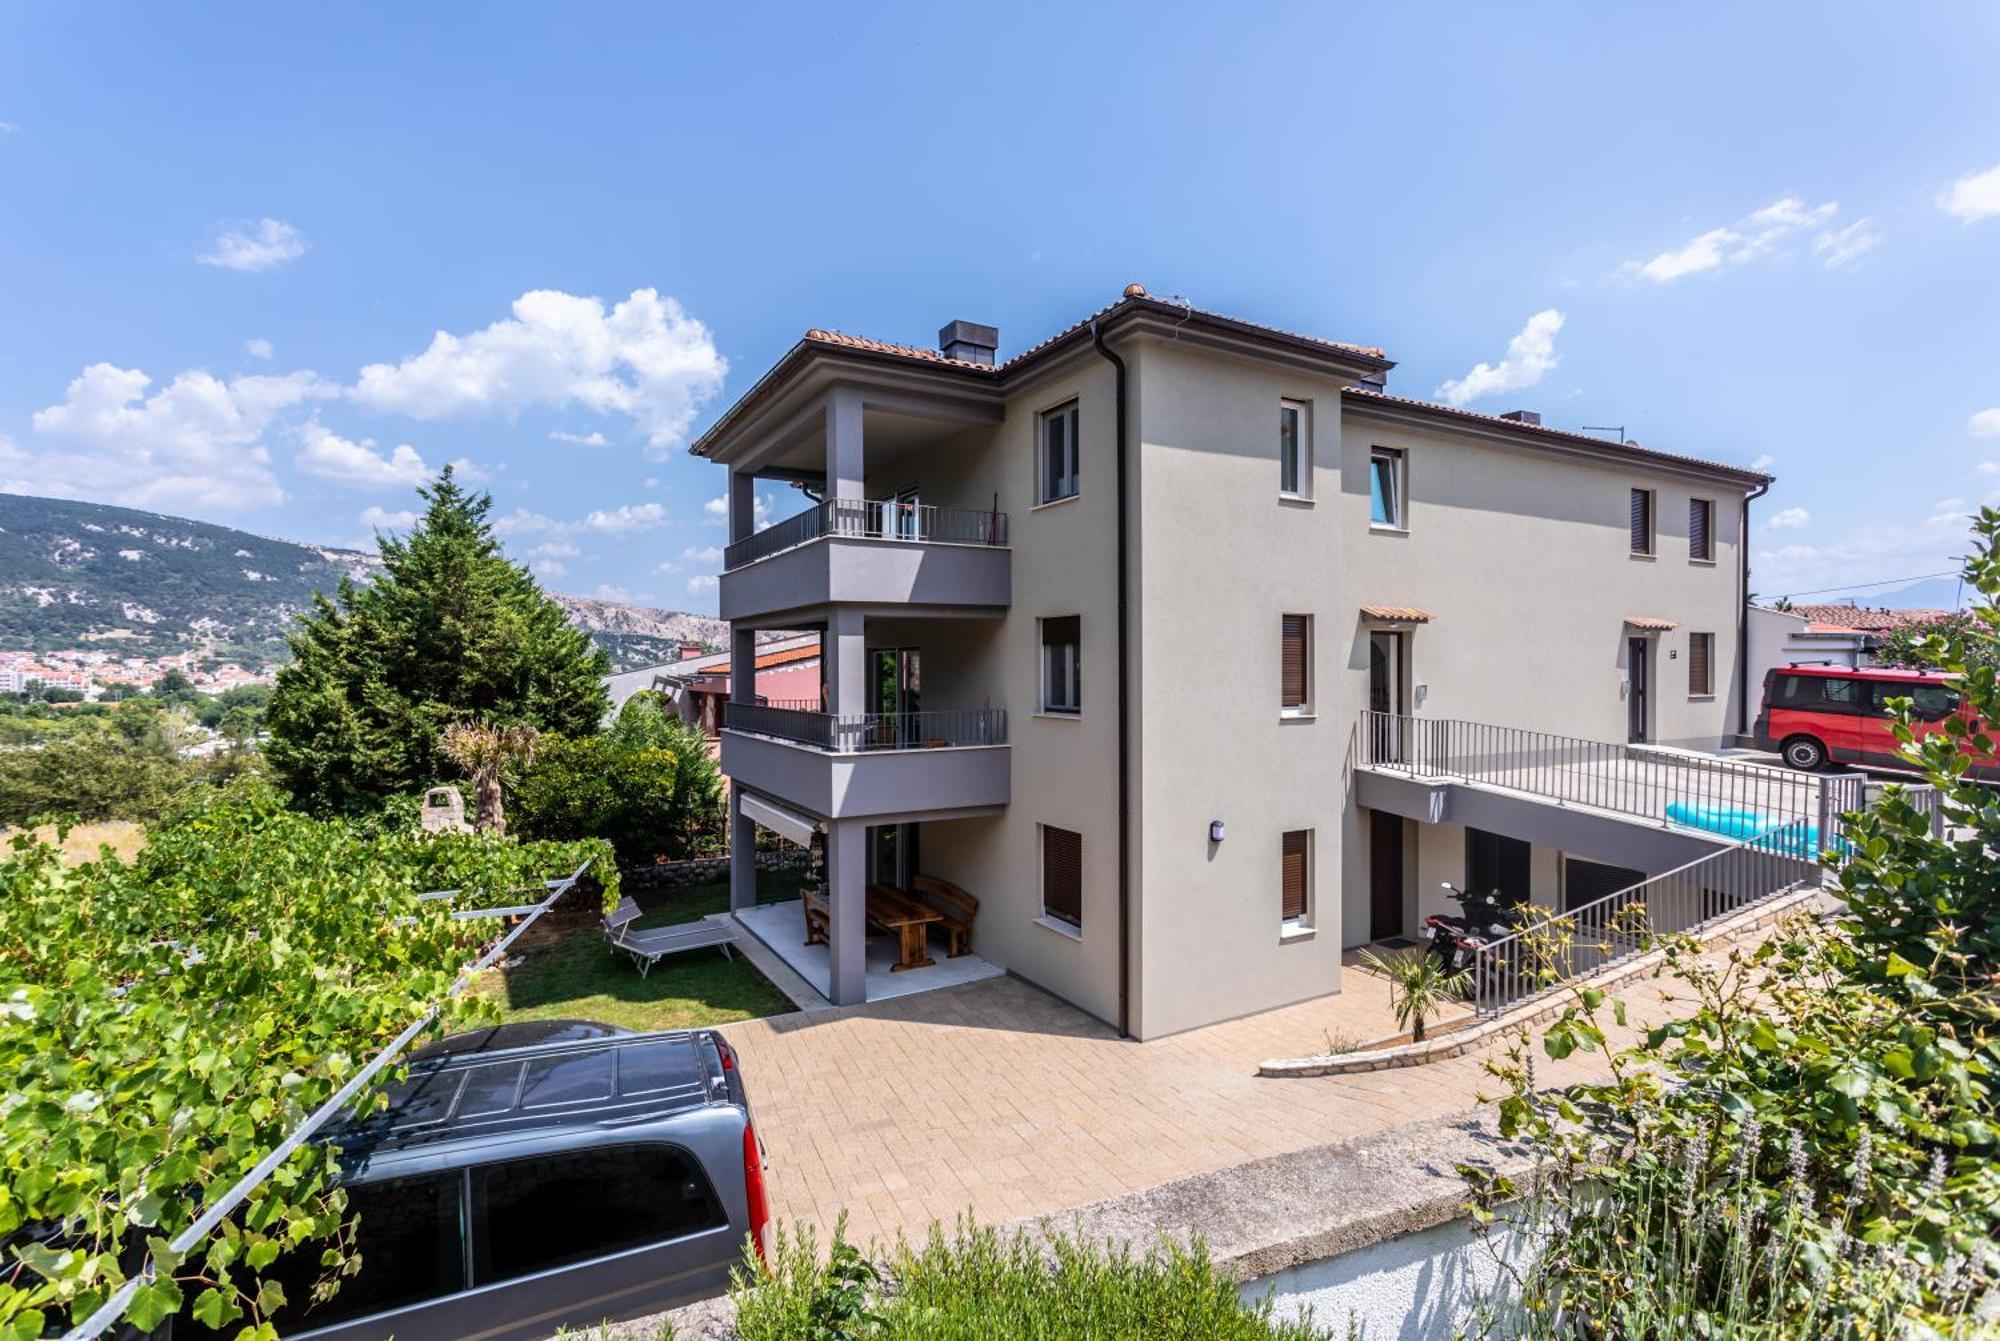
[(1803, 753)]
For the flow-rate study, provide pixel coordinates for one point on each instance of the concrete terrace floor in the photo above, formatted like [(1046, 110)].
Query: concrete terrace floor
[(999, 1099)]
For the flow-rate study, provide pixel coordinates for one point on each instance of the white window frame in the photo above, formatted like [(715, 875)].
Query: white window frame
[(1044, 653), (1303, 923), (1070, 415), (1304, 709), (1302, 449), (1399, 488)]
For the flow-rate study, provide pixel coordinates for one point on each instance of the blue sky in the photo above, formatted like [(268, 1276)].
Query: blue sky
[(230, 238)]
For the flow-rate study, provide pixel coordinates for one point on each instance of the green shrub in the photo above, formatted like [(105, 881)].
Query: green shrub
[(975, 1284), (646, 785)]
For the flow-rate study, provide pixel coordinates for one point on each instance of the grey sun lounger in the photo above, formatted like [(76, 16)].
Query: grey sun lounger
[(652, 944)]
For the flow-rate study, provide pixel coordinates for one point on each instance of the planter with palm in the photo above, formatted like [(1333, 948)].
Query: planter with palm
[(1419, 985)]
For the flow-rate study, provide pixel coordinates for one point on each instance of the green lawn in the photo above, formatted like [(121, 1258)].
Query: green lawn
[(575, 976)]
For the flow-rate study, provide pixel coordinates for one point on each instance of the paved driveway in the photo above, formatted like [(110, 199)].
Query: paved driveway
[(1000, 1099)]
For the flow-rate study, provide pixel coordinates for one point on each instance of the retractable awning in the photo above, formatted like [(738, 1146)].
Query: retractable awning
[(787, 823)]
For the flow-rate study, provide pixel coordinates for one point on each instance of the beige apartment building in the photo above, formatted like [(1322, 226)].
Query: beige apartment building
[(1134, 634)]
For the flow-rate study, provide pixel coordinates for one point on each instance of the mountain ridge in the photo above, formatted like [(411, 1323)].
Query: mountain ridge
[(137, 583)]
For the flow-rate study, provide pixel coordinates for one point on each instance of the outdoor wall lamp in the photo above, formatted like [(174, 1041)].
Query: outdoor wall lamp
[(1216, 831)]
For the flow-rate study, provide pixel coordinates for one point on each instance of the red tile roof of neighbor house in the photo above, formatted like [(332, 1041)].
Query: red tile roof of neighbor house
[(1651, 623), (1860, 618), (770, 659), (1396, 614)]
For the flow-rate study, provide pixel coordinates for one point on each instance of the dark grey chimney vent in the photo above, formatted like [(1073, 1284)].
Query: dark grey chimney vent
[(1375, 381), (970, 341), (1529, 417)]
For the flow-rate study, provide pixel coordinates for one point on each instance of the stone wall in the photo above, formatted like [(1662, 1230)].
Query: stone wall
[(705, 870)]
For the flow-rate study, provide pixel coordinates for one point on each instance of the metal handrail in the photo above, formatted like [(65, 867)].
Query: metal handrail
[(871, 519), (855, 733), (1540, 957), (1628, 779)]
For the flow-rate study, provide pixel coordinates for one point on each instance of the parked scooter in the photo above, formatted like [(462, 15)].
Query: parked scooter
[(1482, 918)]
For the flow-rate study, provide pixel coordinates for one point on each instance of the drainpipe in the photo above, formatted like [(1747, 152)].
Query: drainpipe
[(1743, 612), (1124, 719)]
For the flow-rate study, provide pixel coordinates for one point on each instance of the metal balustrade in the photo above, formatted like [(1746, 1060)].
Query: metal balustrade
[(1552, 948), (873, 730), (871, 519), (1730, 797)]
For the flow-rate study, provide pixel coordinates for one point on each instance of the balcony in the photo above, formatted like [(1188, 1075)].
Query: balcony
[(876, 766), (869, 552)]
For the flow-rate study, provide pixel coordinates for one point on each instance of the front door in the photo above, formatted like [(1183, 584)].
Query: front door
[(1385, 693), (1635, 698), (1385, 875)]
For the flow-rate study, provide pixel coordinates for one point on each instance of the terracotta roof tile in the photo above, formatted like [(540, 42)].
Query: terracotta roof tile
[(1650, 623), (770, 659), (1539, 430), (1396, 614), (1860, 618), (841, 340)]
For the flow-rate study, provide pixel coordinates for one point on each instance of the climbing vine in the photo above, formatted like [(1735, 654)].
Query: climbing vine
[(166, 1021)]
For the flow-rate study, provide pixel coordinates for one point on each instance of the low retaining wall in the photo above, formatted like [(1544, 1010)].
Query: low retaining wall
[(1541, 1009), (706, 870)]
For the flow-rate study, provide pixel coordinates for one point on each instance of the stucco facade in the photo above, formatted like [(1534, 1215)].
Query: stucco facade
[(1512, 570)]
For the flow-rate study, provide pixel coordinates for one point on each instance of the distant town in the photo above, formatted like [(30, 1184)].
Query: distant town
[(100, 675)]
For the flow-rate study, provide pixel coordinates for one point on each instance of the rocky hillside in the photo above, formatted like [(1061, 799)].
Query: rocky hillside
[(84, 574)]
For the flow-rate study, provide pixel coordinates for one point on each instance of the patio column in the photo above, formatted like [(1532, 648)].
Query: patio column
[(843, 444), (742, 505), (847, 907), (742, 855), (844, 651)]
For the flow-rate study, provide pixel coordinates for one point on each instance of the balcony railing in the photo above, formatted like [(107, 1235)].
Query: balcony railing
[(1554, 948), (870, 519), (1737, 800), (873, 730)]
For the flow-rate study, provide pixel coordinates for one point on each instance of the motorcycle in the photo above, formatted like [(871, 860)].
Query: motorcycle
[(1482, 918)]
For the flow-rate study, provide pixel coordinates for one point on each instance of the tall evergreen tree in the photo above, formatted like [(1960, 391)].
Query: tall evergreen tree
[(450, 631)]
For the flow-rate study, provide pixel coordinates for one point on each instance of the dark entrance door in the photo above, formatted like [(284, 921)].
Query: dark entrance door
[(1588, 881), (1385, 875), (1495, 863), (1635, 701)]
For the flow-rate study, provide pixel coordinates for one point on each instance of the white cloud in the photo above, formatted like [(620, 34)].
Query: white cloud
[(523, 522), (1531, 356), (9, 128), (1985, 424), (698, 585), (192, 445), (259, 246), (1987, 468), (1973, 197), (357, 465), (549, 567), (1764, 463), (667, 566), (554, 549), (259, 348), (1837, 248), (1791, 519), (702, 554), (718, 511), (381, 519), (1871, 553), (645, 359), (1757, 234), (629, 517), (580, 439), (606, 592)]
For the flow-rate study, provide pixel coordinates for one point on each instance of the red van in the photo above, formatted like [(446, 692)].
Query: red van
[(1815, 715)]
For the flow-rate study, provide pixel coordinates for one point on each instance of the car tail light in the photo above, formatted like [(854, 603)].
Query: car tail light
[(755, 1193)]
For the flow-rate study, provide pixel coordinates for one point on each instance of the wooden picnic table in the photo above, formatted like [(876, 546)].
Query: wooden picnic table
[(893, 910)]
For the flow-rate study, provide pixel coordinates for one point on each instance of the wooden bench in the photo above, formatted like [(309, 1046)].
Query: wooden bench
[(817, 913), (956, 907)]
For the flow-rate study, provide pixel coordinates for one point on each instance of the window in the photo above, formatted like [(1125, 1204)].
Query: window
[(1817, 693), (1701, 529), (1385, 489), (526, 1212), (1062, 664), (1642, 521), (411, 1251), (1062, 875), (1295, 879), (1928, 702), (1701, 664), (1295, 460), (1055, 470), (1295, 665)]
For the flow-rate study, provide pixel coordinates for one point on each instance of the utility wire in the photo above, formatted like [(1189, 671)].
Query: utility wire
[(1862, 586)]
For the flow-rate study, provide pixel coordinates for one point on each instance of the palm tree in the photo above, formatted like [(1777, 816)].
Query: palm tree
[(483, 751), (1419, 985)]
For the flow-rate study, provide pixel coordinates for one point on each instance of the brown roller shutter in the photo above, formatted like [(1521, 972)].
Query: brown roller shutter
[(1700, 654), (1700, 513), (1294, 874), (1062, 874), (1292, 662), (1642, 521)]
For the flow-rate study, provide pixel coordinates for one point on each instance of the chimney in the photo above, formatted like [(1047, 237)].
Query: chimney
[(687, 650), (1532, 418), (1375, 381), (970, 341)]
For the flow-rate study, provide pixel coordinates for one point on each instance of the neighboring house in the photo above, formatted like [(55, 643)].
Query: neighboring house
[(788, 676), (621, 685), (1169, 840), (1837, 635)]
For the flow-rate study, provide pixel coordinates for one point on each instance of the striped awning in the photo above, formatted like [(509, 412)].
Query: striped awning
[(1649, 623), (1395, 614)]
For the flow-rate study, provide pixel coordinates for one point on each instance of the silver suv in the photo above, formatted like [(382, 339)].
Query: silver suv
[(537, 1176)]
